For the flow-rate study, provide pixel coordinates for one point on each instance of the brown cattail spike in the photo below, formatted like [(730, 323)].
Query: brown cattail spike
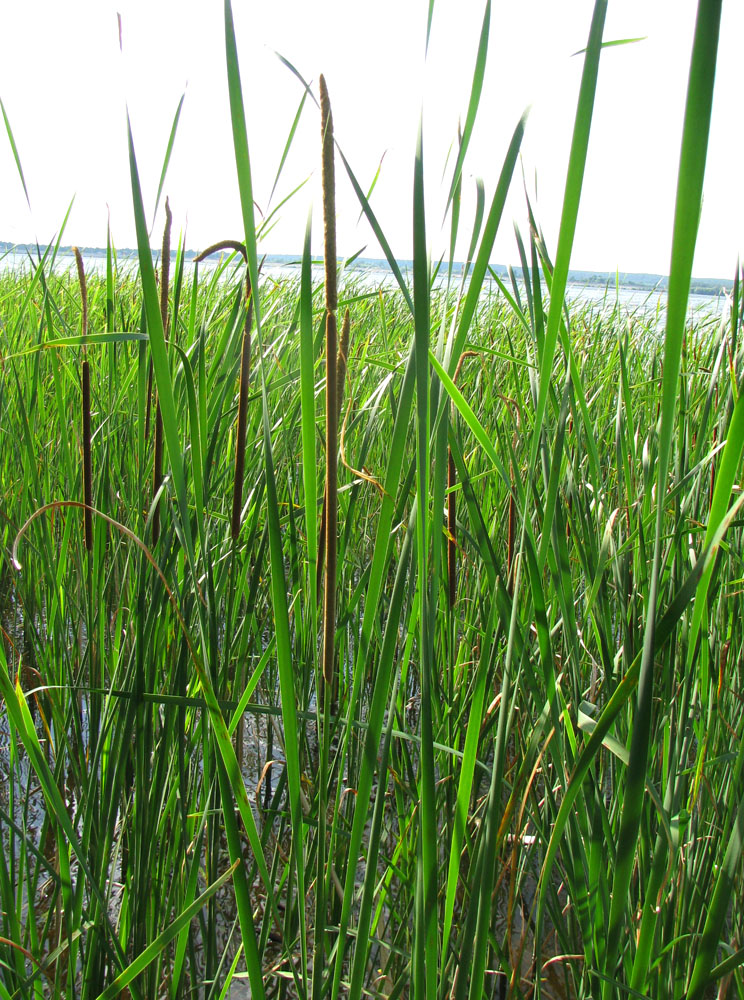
[(165, 267), (329, 197), (222, 245), (83, 289), (87, 460)]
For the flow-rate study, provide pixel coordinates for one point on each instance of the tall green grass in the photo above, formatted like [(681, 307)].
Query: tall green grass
[(501, 756)]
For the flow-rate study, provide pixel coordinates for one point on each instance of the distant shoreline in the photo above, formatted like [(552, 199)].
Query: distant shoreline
[(597, 279)]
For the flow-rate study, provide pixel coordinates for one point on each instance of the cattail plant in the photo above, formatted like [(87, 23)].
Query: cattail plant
[(328, 535), (331, 302), (511, 725), (87, 463), (157, 472), (245, 366)]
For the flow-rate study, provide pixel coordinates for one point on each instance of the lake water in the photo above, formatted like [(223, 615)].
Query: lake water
[(372, 275)]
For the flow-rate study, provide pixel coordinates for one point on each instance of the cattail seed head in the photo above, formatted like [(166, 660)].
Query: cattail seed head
[(83, 288), (329, 197), (165, 267)]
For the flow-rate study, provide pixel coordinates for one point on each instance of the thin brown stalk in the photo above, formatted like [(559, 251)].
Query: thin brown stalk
[(331, 488), (451, 528), (148, 404), (320, 561), (452, 504), (342, 363), (341, 371), (157, 474), (165, 266), (712, 464), (87, 460), (510, 540), (245, 366), (240, 431), (157, 471)]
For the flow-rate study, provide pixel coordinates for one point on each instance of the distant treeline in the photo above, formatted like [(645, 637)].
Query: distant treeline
[(627, 279)]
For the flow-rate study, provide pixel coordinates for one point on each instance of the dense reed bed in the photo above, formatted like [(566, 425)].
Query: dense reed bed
[(497, 749)]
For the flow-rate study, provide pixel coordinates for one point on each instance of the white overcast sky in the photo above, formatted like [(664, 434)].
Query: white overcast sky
[(66, 86)]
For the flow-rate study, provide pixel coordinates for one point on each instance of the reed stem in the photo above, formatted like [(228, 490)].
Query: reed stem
[(331, 485), (87, 460), (452, 501), (157, 474), (245, 369)]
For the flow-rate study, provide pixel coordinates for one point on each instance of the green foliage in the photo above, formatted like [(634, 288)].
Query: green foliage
[(496, 775)]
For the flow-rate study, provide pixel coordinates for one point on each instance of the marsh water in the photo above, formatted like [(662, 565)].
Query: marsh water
[(372, 274)]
